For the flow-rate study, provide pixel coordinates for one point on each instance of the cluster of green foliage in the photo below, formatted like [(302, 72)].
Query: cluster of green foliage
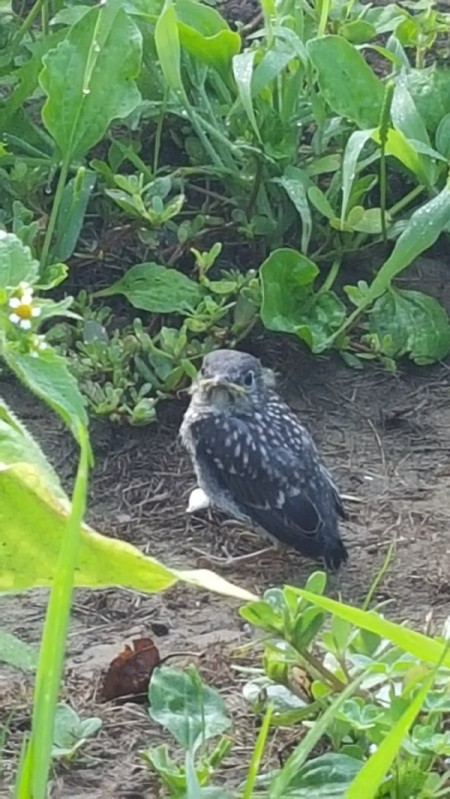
[(371, 722), (211, 151)]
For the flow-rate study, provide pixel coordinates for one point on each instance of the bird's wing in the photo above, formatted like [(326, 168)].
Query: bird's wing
[(273, 487)]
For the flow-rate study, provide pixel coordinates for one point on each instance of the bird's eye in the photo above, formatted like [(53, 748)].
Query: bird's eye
[(249, 379)]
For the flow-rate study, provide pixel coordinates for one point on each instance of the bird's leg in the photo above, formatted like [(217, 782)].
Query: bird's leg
[(231, 561)]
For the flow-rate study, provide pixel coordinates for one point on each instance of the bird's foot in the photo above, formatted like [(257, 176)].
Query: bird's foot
[(230, 561)]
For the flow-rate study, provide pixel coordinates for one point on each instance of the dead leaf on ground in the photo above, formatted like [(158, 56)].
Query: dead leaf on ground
[(129, 673)]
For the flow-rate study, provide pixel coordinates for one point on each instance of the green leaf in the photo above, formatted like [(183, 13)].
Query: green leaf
[(33, 522), (16, 262), (287, 777), (411, 322), (421, 646), (374, 771), (187, 707), (404, 113), (167, 41), (422, 230), (17, 445), (346, 81), (430, 91), (205, 34), (289, 304), (352, 151), (443, 136), (400, 147), (286, 280), (84, 75), (49, 378), (243, 74), (155, 288), (324, 777), (16, 652), (70, 731), (295, 183), (75, 198)]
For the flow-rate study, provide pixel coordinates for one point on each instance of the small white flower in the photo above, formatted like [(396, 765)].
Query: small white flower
[(36, 345), (23, 310), (3, 234)]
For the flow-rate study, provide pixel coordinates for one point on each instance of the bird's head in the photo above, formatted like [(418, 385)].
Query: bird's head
[(231, 380)]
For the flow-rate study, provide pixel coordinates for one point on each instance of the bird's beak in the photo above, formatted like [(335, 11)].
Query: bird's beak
[(208, 384)]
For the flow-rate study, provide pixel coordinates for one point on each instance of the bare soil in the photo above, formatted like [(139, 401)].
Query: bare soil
[(386, 438)]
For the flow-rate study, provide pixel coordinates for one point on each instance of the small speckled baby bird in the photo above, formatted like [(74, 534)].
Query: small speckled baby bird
[(255, 461)]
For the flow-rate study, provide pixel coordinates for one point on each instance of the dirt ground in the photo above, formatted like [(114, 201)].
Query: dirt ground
[(386, 438)]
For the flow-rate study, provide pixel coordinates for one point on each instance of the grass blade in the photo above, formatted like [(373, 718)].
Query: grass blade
[(37, 760), (372, 774)]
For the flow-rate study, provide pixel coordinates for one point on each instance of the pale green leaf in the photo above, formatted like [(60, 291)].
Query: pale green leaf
[(16, 262), (158, 289), (86, 83)]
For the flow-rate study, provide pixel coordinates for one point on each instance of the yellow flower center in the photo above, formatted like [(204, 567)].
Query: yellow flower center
[(24, 311)]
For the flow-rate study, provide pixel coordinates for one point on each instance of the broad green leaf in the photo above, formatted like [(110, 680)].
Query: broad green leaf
[(155, 288), (205, 34), (358, 31), (430, 91), (374, 771), (325, 315), (243, 74), (84, 75), (443, 136), (70, 730), (404, 113), (181, 702), (18, 445), (33, 522), (400, 147), (16, 262), (346, 81), (286, 280), (324, 777), (49, 378), (16, 652), (167, 41), (75, 198), (289, 304), (295, 184), (422, 230), (409, 322), (421, 646)]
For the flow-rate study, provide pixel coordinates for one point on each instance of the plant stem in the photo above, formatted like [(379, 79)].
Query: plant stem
[(332, 274), (257, 755), (54, 213), (36, 766), (158, 134)]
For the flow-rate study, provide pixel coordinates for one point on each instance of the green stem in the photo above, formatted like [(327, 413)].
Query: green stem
[(332, 274), (54, 213), (26, 26), (36, 766), (258, 752), (324, 11), (384, 132), (45, 18), (408, 198), (158, 134)]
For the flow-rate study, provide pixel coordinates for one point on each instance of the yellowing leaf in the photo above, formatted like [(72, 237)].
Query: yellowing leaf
[(32, 523)]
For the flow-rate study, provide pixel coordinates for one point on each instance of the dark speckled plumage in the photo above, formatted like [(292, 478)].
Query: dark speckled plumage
[(256, 462)]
